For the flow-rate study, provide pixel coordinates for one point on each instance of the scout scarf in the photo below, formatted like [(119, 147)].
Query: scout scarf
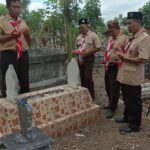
[(16, 24), (125, 50), (81, 49), (108, 52)]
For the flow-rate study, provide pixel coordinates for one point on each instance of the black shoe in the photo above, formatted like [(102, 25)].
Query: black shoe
[(128, 130), (121, 120), (109, 114)]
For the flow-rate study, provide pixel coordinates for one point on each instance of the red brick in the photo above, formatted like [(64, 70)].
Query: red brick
[(62, 111), (54, 99), (49, 119), (78, 106), (15, 122), (34, 104), (44, 117), (75, 128), (13, 130), (38, 122), (11, 111), (73, 110), (1, 129), (37, 107), (59, 134), (57, 116), (66, 113), (73, 104), (87, 99), (38, 115), (53, 135), (3, 121), (88, 105), (70, 95), (56, 109)]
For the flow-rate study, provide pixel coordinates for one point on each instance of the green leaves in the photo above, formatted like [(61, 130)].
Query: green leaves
[(146, 11), (3, 10)]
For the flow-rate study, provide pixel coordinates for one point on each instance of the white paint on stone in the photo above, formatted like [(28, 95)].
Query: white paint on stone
[(11, 84), (73, 75)]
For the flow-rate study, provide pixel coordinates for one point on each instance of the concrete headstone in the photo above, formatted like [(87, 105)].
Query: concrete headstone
[(11, 84), (73, 75)]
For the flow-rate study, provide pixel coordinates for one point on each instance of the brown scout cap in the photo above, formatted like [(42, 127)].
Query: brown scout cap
[(113, 24)]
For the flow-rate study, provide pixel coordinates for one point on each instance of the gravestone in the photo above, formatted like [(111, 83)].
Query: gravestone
[(73, 76), (47, 67), (11, 84), (30, 138), (25, 117)]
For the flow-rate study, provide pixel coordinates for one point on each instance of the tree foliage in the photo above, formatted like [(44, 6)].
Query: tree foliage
[(3, 10), (24, 8), (146, 12), (60, 19), (92, 11)]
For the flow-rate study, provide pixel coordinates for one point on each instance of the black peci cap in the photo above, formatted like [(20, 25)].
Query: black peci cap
[(135, 15), (83, 21)]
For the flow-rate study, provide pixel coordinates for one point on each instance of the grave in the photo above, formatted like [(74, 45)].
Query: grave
[(55, 110)]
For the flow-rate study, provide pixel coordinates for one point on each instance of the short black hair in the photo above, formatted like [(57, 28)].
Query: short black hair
[(8, 2)]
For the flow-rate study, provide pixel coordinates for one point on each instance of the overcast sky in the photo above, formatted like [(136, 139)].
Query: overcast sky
[(109, 8)]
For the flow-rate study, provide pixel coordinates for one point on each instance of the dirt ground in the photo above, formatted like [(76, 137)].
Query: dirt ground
[(104, 134)]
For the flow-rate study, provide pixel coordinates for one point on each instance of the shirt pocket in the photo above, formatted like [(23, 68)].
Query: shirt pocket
[(89, 42), (129, 67), (8, 29)]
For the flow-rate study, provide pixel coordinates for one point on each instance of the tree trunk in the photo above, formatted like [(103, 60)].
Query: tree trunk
[(68, 29)]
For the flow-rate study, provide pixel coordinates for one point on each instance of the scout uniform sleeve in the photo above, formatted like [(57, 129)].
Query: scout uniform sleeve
[(97, 41), (1, 33), (1, 30), (144, 49)]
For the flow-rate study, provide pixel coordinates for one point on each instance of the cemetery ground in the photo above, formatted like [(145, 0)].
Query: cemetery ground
[(104, 134)]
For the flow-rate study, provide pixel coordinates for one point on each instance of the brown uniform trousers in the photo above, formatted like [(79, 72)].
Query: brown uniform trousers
[(21, 67), (133, 104), (86, 74), (112, 86)]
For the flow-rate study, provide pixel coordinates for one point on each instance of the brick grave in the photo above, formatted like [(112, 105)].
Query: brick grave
[(55, 110)]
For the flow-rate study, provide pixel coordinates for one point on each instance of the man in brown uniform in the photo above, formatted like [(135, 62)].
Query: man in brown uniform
[(117, 41), (131, 72), (88, 43), (14, 40)]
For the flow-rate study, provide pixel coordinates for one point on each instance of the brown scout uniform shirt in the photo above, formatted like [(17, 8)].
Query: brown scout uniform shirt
[(91, 40), (7, 28), (130, 73), (119, 43)]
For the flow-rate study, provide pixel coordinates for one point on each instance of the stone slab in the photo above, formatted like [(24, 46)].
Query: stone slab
[(16, 142)]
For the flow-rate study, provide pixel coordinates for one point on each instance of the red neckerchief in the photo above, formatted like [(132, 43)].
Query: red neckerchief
[(107, 52), (82, 48), (125, 50), (16, 24)]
